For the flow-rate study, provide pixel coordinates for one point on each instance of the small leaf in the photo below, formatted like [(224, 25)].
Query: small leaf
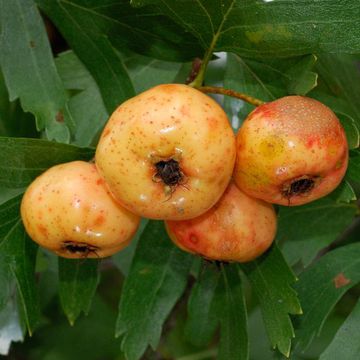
[(92, 48), (21, 160), (305, 230), (202, 321), (302, 79), (29, 69), (351, 130), (321, 286), (78, 280), (156, 280), (346, 344), (87, 106), (271, 278), (231, 310)]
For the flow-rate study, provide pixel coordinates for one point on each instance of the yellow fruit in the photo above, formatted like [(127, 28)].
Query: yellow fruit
[(167, 153), (69, 210)]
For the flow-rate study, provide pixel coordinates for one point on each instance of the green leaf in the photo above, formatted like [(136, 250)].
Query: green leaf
[(321, 286), (18, 254), (10, 327), (351, 130), (92, 47), (341, 74), (343, 193), (86, 106), (305, 230), (156, 280), (78, 280), (9, 216), (202, 320), (231, 310), (346, 344), (13, 120), (21, 160), (123, 258), (353, 172), (271, 278), (302, 79), (268, 28), (146, 72), (29, 69), (262, 80)]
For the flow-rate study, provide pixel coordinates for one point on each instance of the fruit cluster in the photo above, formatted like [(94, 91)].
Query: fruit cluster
[(170, 153)]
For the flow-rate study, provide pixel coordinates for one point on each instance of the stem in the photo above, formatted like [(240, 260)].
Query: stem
[(219, 90), (197, 83)]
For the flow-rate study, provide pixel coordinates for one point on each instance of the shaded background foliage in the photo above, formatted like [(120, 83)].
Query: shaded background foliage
[(56, 93)]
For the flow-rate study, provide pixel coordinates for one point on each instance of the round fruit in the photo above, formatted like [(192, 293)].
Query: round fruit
[(167, 153), (291, 151), (69, 211), (238, 228)]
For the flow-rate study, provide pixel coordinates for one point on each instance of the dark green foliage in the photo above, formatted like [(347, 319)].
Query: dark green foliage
[(155, 297)]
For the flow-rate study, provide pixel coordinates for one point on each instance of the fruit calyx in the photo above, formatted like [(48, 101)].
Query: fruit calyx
[(169, 172), (79, 248), (299, 186)]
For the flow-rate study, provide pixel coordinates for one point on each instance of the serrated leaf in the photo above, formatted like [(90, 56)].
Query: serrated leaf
[(10, 327), (346, 344), (301, 77), (92, 48), (78, 280), (202, 321), (87, 106), (232, 314), (268, 28), (156, 280), (21, 160), (351, 130), (305, 230), (272, 279), (321, 286), (18, 252), (29, 69)]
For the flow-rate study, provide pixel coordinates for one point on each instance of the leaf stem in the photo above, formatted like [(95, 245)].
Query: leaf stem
[(229, 92)]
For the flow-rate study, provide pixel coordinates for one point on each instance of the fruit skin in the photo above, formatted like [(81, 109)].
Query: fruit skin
[(238, 228), (70, 203), (290, 139), (170, 121)]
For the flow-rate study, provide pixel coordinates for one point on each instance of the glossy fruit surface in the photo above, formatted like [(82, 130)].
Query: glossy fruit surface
[(291, 151), (69, 211), (167, 153), (238, 228)]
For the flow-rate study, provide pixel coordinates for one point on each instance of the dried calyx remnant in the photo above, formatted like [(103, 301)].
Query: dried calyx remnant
[(79, 248), (169, 172), (299, 186)]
